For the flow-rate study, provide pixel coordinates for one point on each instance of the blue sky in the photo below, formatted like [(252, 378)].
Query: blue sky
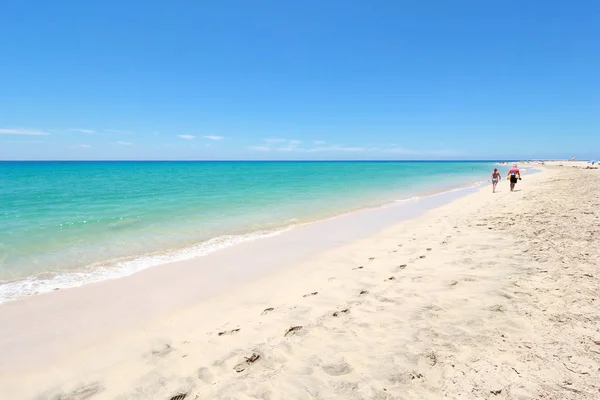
[(306, 79)]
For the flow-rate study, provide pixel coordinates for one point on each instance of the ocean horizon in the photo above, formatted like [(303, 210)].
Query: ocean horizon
[(66, 223), (261, 161)]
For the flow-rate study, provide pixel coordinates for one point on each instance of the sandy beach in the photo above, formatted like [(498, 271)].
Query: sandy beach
[(491, 296)]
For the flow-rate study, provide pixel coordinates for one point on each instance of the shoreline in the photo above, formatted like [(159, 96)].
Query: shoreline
[(116, 269), (176, 285)]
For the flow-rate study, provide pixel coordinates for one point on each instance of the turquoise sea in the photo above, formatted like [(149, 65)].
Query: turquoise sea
[(63, 224)]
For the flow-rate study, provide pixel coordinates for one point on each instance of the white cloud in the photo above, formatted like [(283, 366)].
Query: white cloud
[(88, 131), (270, 144), (292, 145), (446, 153), (81, 146), (287, 145), (275, 140), (259, 148), (24, 141), (186, 137), (22, 131), (440, 153), (400, 150), (214, 137), (125, 143), (335, 147)]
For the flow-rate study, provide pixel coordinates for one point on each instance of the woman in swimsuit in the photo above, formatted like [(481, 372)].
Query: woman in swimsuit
[(495, 178)]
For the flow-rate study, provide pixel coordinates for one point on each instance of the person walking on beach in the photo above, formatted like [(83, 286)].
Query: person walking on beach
[(495, 178), (514, 175)]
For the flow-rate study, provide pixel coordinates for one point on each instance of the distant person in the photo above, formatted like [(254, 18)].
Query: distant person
[(495, 178), (514, 175)]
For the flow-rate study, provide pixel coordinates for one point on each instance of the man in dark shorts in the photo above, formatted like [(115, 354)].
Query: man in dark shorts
[(514, 175)]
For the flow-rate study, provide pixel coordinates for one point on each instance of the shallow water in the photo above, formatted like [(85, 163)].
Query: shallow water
[(66, 223)]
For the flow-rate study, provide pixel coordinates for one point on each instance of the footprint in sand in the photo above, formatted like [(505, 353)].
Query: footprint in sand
[(179, 396), (429, 249), (267, 310), (421, 257), (338, 313), (205, 375), (292, 331), (82, 392), (391, 278), (497, 308), (371, 258), (361, 267), (162, 350), (247, 362), (337, 369), (231, 332), (363, 292), (431, 358), (311, 294), (415, 375)]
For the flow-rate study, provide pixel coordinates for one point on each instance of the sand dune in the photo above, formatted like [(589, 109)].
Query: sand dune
[(488, 297)]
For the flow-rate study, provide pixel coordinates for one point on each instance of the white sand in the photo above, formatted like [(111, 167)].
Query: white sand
[(564, 163), (490, 296)]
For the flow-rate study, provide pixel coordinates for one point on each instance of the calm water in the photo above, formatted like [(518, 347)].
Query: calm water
[(66, 223)]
